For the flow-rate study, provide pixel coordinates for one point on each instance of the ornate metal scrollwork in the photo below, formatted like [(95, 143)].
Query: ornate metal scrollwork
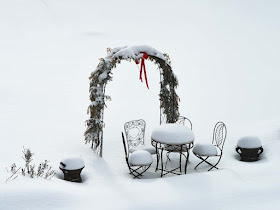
[(135, 132)]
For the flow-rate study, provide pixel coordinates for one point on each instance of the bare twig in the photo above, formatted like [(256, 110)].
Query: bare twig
[(7, 179)]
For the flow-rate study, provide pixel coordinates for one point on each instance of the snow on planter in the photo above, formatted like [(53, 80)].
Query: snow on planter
[(249, 148), (72, 168), (249, 142), (72, 163)]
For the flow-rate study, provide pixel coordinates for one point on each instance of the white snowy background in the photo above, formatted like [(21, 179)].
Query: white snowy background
[(225, 55)]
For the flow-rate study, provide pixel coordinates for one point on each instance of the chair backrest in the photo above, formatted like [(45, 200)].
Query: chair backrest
[(181, 120), (219, 135), (125, 147), (135, 132)]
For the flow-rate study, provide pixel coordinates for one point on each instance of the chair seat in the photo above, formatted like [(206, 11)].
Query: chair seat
[(150, 149), (140, 158), (205, 150)]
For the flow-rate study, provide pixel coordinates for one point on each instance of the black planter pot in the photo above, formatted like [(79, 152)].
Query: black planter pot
[(249, 155), (72, 175)]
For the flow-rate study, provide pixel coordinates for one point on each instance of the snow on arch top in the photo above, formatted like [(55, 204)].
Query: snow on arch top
[(135, 52)]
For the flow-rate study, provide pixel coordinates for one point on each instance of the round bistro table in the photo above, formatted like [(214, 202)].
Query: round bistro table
[(172, 138)]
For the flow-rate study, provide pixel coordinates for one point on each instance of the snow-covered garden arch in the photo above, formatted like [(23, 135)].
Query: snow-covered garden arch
[(169, 100)]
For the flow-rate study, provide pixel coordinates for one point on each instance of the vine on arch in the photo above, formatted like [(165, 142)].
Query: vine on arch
[(169, 100)]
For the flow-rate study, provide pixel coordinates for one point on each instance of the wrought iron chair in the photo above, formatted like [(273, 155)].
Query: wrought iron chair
[(181, 120), (204, 151), (135, 134), (137, 160)]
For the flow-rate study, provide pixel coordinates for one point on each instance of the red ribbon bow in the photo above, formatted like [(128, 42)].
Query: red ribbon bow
[(143, 67)]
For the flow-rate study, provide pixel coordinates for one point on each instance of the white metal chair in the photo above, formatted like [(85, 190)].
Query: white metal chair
[(137, 160), (135, 135), (205, 151)]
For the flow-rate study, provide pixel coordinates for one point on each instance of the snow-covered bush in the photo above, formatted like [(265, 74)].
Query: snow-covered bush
[(43, 170)]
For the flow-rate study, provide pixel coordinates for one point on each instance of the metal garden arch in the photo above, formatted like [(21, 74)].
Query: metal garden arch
[(169, 100)]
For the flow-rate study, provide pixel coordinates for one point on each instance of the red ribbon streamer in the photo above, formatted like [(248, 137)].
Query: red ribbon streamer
[(143, 67)]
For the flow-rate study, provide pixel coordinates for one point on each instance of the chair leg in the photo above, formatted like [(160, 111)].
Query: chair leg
[(204, 160), (133, 173), (140, 174), (135, 176), (214, 166), (201, 161), (134, 170), (211, 164)]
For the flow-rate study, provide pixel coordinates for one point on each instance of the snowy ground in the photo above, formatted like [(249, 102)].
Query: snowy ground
[(225, 55)]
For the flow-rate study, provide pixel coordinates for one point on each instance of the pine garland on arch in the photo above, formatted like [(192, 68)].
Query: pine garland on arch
[(169, 100)]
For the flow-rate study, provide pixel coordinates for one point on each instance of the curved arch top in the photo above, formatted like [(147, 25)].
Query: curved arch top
[(136, 52), (169, 100)]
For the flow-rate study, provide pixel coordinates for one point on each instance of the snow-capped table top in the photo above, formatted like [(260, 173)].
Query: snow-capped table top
[(72, 163), (173, 134), (249, 142)]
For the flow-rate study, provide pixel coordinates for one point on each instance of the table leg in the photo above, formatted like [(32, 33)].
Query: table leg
[(161, 161), (187, 160), (157, 152), (181, 158)]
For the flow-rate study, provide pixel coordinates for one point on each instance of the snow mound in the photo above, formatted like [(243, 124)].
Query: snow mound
[(173, 134), (72, 163), (249, 142), (140, 158), (205, 149)]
